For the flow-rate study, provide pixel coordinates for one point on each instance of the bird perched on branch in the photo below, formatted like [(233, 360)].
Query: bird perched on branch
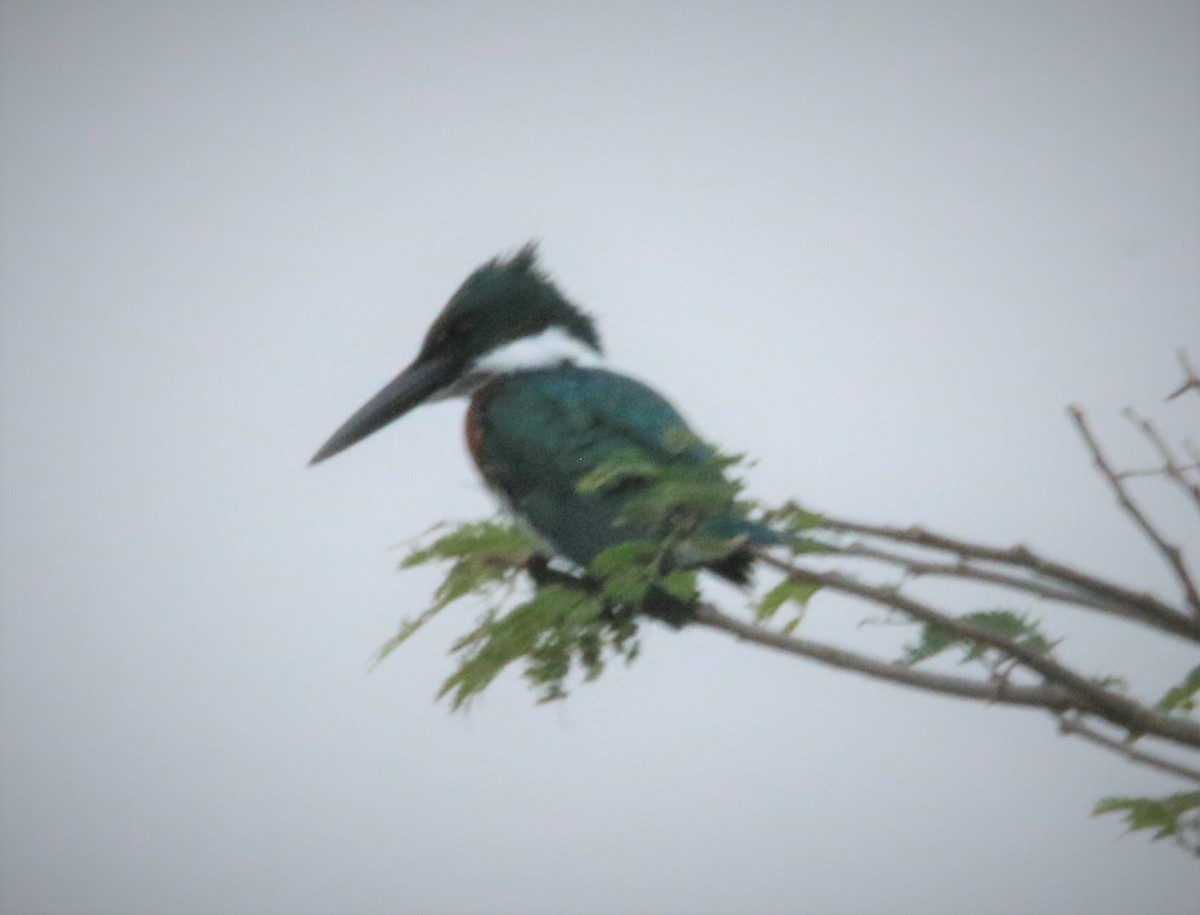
[(581, 455)]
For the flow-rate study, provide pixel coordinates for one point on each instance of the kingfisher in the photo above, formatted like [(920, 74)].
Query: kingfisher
[(543, 416)]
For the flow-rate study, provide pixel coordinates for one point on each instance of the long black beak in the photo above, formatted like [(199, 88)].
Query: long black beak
[(409, 389)]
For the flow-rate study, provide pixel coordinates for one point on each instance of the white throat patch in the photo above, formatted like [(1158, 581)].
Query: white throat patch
[(551, 347)]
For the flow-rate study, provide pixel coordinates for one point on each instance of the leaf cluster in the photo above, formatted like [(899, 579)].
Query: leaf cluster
[(557, 629), (936, 638), (792, 522), (669, 501), (560, 627), (1174, 816), (1181, 698), (559, 623), (789, 590), (483, 555)]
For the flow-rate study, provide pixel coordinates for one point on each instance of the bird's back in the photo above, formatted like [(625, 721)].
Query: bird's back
[(536, 435)]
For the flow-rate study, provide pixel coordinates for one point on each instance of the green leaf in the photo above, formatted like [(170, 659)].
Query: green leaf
[(1164, 815), (790, 518), (626, 571), (672, 499), (802, 521), (494, 540), (1182, 696), (935, 638), (622, 468), (572, 626), (681, 584), (502, 640), (482, 554), (407, 628), (679, 439), (627, 587), (567, 627), (622, 555), (797, 592), (806, 545), (938, 637)]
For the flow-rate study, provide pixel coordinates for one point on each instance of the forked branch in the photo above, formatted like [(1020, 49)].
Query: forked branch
[(1169, 551), (999, 565), (1172, 469), (1191, 381)]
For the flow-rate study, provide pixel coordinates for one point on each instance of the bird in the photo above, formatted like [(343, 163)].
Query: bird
[(544, 416)]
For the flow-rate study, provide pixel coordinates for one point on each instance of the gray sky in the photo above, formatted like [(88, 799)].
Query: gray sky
[(879, 246)]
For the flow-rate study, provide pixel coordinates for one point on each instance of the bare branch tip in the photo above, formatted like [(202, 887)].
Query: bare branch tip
[(1191, 379)]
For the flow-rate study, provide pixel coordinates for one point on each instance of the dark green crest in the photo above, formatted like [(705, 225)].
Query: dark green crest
[(503, 301)]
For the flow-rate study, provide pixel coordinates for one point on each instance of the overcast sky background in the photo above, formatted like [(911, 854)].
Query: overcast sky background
[(877, 245)]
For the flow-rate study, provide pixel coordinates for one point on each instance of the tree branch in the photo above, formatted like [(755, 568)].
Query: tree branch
[(1171, 553), (1117, 600), (1191, 381), (1171, 469), (1193, 452), (965, 569), (1073, 724), (997, 691), (1088, 695)]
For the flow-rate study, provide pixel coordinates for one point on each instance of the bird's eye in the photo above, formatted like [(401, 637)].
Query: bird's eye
[(452, 331)]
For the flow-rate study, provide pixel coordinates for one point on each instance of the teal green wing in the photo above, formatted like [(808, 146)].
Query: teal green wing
[(537, 435)]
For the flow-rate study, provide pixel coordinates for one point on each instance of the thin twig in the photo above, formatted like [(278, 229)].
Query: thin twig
[(1171, 469), (1141, 472), (1193, 452), (1191, 381), (1072, 724), (1171, 553)]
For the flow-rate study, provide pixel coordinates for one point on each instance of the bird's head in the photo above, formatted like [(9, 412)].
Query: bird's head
[(506, 316)]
